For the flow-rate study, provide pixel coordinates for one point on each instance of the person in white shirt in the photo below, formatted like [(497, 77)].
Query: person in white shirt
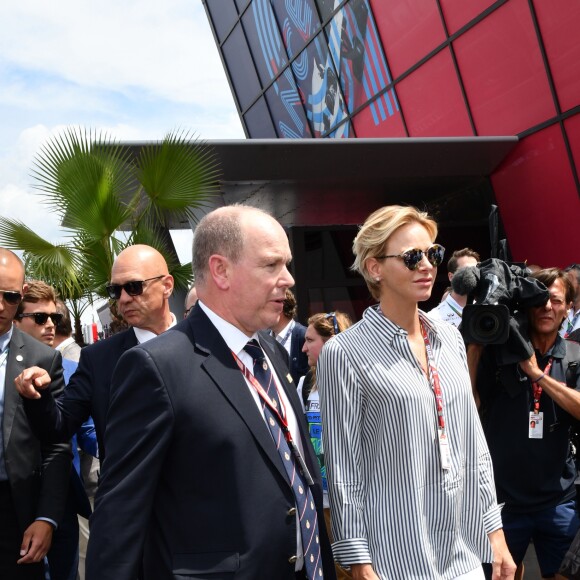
[(572, 321), (451, 308)]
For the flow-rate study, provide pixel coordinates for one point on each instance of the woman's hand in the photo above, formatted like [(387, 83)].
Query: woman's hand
[(363, 572)]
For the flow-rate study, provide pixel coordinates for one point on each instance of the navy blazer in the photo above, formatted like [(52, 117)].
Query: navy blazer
[(192, 478), (38, 471), (86, 395), (298, 359)]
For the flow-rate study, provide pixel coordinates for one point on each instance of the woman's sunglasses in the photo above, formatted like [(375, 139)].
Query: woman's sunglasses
[(40, 318), (412, 258), (11, 297), (332, 316), (133, 288)]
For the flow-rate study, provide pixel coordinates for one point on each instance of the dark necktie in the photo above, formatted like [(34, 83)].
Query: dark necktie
[(302, 493)]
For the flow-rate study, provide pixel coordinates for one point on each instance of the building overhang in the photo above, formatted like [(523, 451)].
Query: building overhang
[(340, 181)]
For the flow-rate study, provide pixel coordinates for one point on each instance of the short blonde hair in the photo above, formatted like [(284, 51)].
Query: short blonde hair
[(374, 234)]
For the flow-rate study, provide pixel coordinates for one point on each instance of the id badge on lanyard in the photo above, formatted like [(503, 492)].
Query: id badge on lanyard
[(536, 417)]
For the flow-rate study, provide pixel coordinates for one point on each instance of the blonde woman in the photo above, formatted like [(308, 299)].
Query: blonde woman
[(409, 472)]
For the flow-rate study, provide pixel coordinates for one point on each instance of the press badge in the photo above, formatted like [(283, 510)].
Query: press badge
[(536, 425), (444, 449)]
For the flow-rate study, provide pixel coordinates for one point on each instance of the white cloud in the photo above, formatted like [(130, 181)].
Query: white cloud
[(164, 49)]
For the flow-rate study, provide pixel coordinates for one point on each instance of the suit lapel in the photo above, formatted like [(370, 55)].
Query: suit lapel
[(15, 364), (224, 372)]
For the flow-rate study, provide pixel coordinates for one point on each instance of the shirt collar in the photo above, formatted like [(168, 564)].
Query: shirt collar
[(5, 339), (64, 343), (233, 336), (389, 329), (145, 335)]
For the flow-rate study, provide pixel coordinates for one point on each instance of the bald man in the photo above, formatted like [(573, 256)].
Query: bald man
[(33, 476), (141, 285)]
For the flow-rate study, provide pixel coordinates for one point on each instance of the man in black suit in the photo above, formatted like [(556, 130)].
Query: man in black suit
[(291, 335), (33, 476), (193, 478), (141, 284)]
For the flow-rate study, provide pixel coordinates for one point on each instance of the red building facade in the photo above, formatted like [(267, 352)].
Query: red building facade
[(425, 68)]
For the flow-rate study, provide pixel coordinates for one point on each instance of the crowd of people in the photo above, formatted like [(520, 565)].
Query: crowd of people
[(239, 443)]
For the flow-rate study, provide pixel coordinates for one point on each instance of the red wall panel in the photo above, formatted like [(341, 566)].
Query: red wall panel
[(538, 200), (503, 73), (431, 100), (409, 31), (458, 13)]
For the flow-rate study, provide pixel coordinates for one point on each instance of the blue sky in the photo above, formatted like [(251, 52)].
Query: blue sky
[(135, 69)]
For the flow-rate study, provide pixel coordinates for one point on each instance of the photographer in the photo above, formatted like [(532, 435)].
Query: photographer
[(527, 409)]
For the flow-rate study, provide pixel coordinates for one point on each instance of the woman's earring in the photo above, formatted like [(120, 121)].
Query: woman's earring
[(378, 279)]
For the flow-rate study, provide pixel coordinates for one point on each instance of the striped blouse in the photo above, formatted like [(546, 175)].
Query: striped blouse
[(391, 502)]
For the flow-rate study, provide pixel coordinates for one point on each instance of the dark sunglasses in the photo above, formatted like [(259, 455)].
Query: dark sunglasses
[(133, 288), (332, 316), (412, 258), (11, 297), (40, 318)]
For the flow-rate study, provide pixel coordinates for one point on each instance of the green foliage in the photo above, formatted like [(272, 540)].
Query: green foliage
[(108, 199)]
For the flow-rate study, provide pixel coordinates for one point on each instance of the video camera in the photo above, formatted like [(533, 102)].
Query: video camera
[(501, 293)]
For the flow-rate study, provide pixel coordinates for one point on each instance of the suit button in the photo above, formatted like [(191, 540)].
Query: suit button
[(292, 559), (291, 512)]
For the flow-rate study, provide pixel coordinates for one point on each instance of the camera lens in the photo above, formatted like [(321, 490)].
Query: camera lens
[(487, 324)]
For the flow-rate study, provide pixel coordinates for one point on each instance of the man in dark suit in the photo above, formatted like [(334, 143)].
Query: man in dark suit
[(193, 478), (290, 334), (141, 284), (33, 476)]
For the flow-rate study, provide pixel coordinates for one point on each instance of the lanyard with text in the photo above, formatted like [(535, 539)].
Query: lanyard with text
[(279, 414), (538, 389), (283, 340), (536, 418), (436, 386)]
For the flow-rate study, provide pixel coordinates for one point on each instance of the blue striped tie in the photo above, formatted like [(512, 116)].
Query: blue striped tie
[(302, 493)]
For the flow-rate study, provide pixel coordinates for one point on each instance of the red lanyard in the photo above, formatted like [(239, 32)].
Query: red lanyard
[(434, 379), (538, 389), (280, 414)]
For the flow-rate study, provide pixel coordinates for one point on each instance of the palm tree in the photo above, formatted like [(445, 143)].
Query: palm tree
[(107, 198)]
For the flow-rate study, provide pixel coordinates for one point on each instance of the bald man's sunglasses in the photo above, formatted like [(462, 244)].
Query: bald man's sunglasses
[(412, 258), (11, 297), (41, 318), (133, 288)]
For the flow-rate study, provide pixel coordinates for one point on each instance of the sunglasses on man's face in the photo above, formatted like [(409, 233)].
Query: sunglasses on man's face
[(11, 297), (41, 318), (412, 258), (133, 288)]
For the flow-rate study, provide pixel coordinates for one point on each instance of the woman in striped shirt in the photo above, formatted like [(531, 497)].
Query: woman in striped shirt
[(409, 473)]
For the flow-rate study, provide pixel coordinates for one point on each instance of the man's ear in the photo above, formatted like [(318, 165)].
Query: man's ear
[(168, 284), (450, 275), (220, 270)]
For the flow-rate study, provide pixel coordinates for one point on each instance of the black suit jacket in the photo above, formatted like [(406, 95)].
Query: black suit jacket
[(192, 477), (298, 359), (87, 393), (38, 472)]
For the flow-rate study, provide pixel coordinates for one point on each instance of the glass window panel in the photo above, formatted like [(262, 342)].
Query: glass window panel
[(287, 109), (440, 111), (241, 68), (326, 8), (298, 21), (503, 73), (265, 41), (358, 55), (241, 4), (409, 30), (223, 16), (538, 200), (259, 122), (318, 83), (458, 13), (560, 25)]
